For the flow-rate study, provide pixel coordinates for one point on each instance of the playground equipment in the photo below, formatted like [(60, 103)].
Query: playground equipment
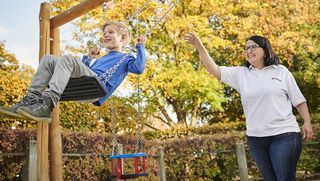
[(117, 164), (139, 157)]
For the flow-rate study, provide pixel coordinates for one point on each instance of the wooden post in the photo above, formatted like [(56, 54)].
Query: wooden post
[(161, 163), (32, 157), (55, 143), (43, 128), (30, 169), (242, 161)]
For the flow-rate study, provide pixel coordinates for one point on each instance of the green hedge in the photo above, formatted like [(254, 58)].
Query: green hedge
[(197, 157)]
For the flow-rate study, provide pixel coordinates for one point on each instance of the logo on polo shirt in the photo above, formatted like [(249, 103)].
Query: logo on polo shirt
[(275, 78)]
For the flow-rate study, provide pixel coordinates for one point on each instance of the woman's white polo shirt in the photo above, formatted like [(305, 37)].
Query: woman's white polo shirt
[(267, 96)]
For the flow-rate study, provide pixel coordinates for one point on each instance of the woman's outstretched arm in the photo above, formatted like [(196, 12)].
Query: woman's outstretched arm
[(208, 62)]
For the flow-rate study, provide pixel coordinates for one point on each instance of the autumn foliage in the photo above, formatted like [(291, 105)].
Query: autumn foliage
[(202, 114)]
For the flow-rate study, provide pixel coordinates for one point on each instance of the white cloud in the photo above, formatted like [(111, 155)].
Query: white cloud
[(3, 30), (26, 55)]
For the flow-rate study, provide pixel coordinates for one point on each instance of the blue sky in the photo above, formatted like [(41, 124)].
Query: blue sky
[(19, 28)]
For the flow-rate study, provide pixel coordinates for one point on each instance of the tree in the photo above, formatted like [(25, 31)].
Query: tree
[(175, 83), (8, 61), (14, 81)]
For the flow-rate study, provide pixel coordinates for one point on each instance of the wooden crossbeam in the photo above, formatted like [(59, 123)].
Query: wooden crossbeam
[(75, 12)]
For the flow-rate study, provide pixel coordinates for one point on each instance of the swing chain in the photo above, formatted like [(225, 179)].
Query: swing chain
[(138, 11), (139, 145), (105, 77), (104, 6), (161, 18), (135, 16), (104, 9), (113, 128)]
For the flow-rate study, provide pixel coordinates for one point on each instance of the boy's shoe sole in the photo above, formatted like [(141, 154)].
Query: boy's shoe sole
[(6, 113), (40, 119)]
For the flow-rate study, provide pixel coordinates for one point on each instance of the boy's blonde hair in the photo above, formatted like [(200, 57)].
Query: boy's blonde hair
[(121, 29)]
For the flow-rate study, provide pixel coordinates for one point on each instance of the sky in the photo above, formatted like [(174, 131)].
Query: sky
[(19, 28)]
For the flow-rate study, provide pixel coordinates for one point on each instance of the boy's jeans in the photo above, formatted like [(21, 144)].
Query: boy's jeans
[(55, 72), (277, 156)]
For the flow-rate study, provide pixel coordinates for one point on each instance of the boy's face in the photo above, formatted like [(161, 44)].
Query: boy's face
[(112, 39)]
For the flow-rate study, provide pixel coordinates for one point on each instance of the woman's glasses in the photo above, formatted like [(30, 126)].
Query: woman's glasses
[(250, 48)]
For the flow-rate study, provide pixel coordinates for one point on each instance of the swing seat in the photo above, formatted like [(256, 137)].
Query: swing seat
[(83, 88), (116, 160), (77, 89)]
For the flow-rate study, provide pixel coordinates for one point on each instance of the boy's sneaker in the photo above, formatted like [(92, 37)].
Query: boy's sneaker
[(30, 98), (39, 111), (11, 112)]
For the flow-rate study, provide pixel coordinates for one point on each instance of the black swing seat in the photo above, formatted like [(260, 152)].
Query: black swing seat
[(78, 89), (83, 88)]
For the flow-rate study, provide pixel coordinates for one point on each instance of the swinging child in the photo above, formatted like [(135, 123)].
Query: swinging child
[(54, 73)]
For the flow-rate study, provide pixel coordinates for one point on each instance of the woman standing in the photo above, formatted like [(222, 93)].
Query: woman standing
[(268, 90)]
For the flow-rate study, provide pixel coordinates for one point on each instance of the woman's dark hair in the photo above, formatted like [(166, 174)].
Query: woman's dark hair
[(270, 58)]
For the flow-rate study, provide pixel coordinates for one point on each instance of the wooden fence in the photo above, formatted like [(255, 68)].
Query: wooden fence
[(30, 170)]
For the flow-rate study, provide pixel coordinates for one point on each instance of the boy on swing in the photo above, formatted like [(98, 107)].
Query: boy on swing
[(54, 72)]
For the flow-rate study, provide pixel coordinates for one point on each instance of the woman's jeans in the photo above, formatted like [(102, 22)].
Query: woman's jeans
[(276, 156)]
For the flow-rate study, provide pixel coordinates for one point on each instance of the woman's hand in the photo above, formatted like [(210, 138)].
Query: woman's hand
[(307, 132), (193, 40)]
